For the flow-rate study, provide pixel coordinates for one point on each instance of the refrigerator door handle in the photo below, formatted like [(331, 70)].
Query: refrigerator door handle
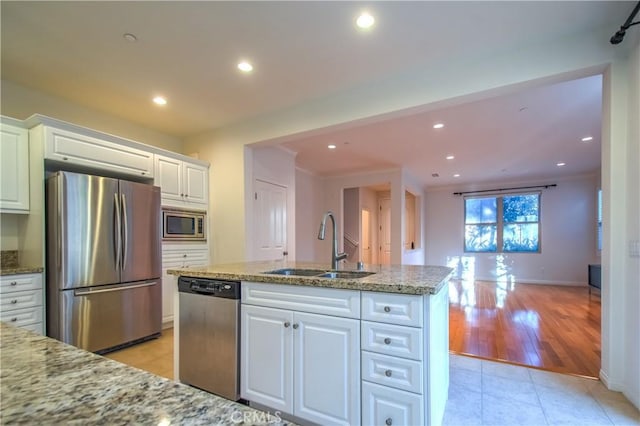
[(125, 232), (109, 290), (117, 231)]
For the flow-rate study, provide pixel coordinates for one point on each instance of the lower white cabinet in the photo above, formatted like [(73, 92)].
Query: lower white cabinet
[(178, 256), (303, 364), (21, 301), (386, 406)]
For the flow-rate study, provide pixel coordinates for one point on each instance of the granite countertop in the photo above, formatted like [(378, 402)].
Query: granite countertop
[(21, 270), (406, 279), (44, 381)]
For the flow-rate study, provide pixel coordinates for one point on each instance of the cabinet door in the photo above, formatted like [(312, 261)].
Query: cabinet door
[(87, 151), (195, 184), (169, 290), (14, 169), (266, 357), (327, 369), (168, 172)]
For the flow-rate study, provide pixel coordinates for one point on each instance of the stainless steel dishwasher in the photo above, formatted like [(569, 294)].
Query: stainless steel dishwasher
[(210, 335)]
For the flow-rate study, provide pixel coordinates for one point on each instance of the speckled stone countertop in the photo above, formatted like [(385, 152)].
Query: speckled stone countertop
[(43, 381), (21, 270), (389, 279)]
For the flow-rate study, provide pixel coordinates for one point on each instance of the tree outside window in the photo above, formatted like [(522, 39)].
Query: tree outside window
[(509, 224)]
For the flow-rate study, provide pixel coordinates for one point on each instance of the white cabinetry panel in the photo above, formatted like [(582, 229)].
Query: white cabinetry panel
[(86, 151), (393, 340), (14, 169), (183, 184), (386, 406), (22, 301), (401, 309)]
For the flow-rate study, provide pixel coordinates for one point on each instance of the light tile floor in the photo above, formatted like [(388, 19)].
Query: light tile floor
[(491, 393), (481, 392)]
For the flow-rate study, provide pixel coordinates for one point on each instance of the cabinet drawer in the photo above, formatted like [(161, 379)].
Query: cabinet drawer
[(327, 301), (400, 373), (11, 283), (36, 327), (22, 317), (20, 299), (391, 339), (401, 309), (185, 258), (382, 405)]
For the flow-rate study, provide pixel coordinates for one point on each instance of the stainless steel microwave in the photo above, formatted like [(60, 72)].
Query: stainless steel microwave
[(183, 225)]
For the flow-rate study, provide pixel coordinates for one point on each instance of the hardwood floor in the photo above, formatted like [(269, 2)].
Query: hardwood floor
[(556, 328), (154, 356)]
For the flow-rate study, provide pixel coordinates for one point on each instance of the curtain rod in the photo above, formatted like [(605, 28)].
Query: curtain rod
[(553, 185)]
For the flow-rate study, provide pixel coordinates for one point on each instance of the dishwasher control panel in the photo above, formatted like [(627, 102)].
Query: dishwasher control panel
[(209, 287)]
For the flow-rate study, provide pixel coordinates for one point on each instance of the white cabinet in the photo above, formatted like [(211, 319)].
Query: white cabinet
[(178, 256), (183, 184), (93, 153), (14, 169), (21, 301), (301, 363)]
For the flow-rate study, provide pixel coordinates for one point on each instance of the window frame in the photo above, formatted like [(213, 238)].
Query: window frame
[(500, 223)]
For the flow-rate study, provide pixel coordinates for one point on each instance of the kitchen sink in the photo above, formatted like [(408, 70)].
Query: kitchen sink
[(319, 273), (346, 274), (297, 272)]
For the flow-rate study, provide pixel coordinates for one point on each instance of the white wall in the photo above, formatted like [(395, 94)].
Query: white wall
[(417, 255), (277, 166), (352, 221), (309, 211), (21, 102), (568, 235), (369, 201), (8, 231)]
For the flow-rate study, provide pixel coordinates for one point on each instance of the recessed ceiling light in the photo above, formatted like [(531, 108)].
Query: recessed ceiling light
[(456, 175), (438, 126), (561, 164), (365, 21), (245, 66), (131, 38), (332, 146), (450, 157), (587, 138), (159, 100)]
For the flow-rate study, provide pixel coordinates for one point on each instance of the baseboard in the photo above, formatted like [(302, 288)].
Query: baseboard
[(528, 281), (168, 323), (611, 385)]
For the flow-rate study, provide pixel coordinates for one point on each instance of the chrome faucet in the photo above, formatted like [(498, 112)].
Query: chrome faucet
[(335, 256)]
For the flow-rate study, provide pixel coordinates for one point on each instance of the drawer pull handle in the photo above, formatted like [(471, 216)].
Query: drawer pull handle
[(388, 422), (387, 309), (387, 341), (287, 324), (14, 319), (296, 325), (14, 301), (182, 195), (388, 373), (14, 283)]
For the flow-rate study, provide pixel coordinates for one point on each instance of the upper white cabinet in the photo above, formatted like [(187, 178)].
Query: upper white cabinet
[(14, 169), (183, 184), (87, 151)]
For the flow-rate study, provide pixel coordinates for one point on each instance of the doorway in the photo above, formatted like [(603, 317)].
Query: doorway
[(366, 236), (270, 220)]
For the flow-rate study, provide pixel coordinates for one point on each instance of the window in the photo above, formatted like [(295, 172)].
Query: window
[(509, 223)]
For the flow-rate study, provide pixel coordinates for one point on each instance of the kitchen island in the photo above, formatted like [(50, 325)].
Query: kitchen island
[(361, 347), (44, 381)]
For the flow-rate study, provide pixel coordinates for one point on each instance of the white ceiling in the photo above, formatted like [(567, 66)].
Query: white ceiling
[(302, 51)]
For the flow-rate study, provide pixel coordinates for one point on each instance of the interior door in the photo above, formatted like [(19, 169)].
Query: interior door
[(385, 231), (141, 227), (270, 220), (366, 236)]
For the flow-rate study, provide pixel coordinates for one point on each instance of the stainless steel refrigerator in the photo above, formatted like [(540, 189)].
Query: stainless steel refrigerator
[(104, 285)]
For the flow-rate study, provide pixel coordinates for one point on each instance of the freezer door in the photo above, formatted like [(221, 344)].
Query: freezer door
[(141, 249), (102, 317), (82, 231)]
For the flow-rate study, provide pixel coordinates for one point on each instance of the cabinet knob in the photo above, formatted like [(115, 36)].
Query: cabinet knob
[(14, 301), (142, 173), (182, 195), (184, 255), (388, 373), (65, 158), (186, 195), (387, 341), (14, 319), (388, 422), (287, 324), (387, 309), (14, 283), (296, 326)]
